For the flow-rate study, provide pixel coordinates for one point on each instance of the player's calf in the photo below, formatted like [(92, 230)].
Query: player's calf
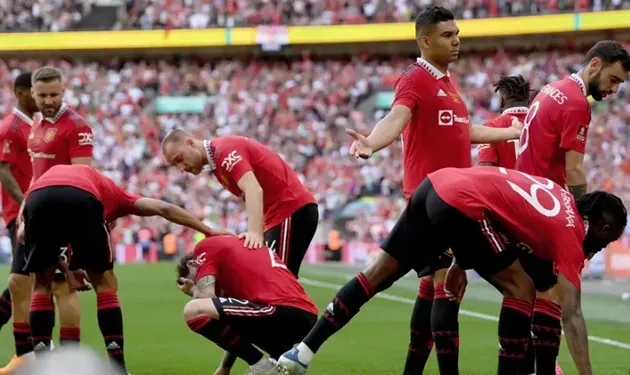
[(69, 309), (109, 314), (420, 336), (515, 317), (41, 313), (547, 330), (202, 317), (20, 287), (445, 326)]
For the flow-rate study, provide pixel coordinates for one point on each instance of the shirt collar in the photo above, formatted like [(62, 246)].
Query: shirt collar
[(22, 116), (60, 112), (516, 111), (579, 81), (431, 69), (211, 166)]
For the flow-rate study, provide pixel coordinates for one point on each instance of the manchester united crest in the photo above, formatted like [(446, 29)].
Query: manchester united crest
[(50, 135)]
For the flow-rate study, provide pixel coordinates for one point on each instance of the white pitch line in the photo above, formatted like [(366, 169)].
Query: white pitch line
[(321, 284)]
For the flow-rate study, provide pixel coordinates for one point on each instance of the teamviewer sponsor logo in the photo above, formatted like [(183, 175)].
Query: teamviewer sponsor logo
[(445, 117), (86, 139)]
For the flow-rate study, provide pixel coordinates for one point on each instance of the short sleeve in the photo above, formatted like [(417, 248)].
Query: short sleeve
[(80, 142), (122, 200), (571, 261), (575, 123), (207, 257), (9, 144), (406, 91), (236, 160)]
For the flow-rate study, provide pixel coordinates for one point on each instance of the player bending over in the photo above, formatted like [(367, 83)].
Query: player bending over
[(69, 204), (431, 116), (242, 298), (496, 214), (552, 145)]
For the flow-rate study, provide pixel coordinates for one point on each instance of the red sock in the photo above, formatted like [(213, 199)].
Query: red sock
[(22, 337), (42, 319), (70, 335)]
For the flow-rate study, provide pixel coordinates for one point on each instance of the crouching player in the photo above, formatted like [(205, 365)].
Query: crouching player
[(242, 298), (69, 204)]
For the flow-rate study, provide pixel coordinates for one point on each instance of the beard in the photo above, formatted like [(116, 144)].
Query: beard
[(593, 88), (590, 245)]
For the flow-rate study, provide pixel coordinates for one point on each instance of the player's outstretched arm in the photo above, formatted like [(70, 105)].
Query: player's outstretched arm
[(389, 128), (574, 325), (9, 183), (172, 213), (486, 134), (576, 174)]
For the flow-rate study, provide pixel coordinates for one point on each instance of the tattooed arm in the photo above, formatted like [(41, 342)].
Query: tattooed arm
[(204, 287), (574, 325)]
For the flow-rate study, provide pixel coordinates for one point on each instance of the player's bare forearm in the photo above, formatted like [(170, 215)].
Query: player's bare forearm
[(204, 287), (389, 128), (576, 180), (255, 211), (485, 134), (171, 212), (574, 324), (82, 160), (9, 183), (228, 360)]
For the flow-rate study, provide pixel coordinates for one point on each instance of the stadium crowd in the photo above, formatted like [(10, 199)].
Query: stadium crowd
[(59, 15), (299, 108)]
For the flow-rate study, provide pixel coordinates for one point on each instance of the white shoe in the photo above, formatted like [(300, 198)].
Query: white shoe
[(265, 366), (289, 364)]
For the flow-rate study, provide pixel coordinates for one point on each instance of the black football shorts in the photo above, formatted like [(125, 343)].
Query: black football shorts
[(274, 329), (66, 219), (291, 238), (429, 227)]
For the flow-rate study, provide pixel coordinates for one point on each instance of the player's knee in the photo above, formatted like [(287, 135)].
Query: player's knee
[(383, 272), (19, 285), (439, 277), (201, 307)]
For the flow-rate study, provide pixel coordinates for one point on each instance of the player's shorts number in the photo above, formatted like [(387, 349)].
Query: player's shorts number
[(532, 196), (64, 254), (524, 140)]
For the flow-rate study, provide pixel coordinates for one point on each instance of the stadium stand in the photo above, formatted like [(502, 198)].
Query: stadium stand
[(61, 15)]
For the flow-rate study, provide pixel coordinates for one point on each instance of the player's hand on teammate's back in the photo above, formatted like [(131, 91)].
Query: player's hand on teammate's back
[(186, 286), (253, 240), (78, 280), (222, 371), (455, 283), (220, 232), (517, 126), (361, 146)]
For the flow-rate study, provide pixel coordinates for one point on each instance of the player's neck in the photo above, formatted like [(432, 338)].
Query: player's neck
[(584, 76), (442, 67), (199, 144), (22, 109)]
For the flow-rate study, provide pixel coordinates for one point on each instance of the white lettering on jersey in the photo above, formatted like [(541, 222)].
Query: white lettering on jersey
[(201, 259), (568, 209), (41, 155), (231, 160), (554, 94), (86, 139)]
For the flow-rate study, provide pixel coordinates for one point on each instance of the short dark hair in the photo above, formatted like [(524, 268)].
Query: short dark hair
[(46, 74), (594, 205), (182, 266), (610, 52), (431, 16), (513, 89), (23, 81)]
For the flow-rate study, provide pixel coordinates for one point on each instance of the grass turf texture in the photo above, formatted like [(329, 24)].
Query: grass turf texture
[(158, 342)]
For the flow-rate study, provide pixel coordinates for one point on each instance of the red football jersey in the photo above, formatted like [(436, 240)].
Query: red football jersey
[(502, 154), (557, 122), (116, 201), (437, 135), (230, 157), (58, 140), (532, 210), (258, 275), (14, 137)]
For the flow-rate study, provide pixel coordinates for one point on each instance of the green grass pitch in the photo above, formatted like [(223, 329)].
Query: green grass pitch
[(158, 342)]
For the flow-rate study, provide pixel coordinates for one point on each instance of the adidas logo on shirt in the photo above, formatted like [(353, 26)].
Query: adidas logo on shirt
[(441, 93)]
